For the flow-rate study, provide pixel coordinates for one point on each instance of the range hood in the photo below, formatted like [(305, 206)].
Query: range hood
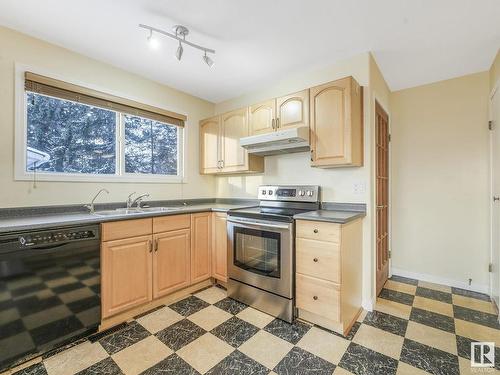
[(279, 142)]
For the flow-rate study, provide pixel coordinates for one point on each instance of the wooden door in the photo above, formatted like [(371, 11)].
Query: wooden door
[(234, 127), (293, 110), (126, 274), (210, 147), (261, 117), (171, 262), (336, 124), (219, 247), (382, 195), (201, 246), (495, 201)]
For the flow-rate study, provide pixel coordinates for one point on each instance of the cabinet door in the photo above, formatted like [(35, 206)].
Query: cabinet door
[(126, 274), (336, 124), (201, 245), (293, 110), (234, 127), (261, 117), (210, 148), (171, 262), (219, 247)]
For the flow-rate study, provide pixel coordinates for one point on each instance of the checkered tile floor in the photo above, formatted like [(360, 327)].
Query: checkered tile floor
[(416, 328)]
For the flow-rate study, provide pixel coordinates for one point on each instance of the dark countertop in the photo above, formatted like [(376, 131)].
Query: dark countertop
[(331, 216), (42, 221)]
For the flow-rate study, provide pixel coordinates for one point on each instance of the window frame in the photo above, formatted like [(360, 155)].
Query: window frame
[(20, 144)]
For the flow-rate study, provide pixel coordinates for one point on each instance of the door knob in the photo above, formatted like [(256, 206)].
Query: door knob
[(496, 199), (315, 298), (315, 260), (315, 231)]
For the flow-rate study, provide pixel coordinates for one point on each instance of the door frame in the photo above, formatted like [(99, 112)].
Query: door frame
[(375, 101), (490, 118)]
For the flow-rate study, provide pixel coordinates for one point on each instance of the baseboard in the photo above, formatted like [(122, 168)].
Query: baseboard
[(367, 304), (481, 288)]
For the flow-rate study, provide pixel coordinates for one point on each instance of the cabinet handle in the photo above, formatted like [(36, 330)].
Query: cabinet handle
[(315, 298), (150, 246), (222, 163), (315, 260), (272, 124), (156, 244), (315, 231), (277, 123), (312, 155)]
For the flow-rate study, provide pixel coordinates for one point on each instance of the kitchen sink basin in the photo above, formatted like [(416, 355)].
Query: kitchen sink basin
[(158, 209), (133, 211)]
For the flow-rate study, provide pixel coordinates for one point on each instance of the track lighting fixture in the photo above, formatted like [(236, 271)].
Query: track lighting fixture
[(180, 33)]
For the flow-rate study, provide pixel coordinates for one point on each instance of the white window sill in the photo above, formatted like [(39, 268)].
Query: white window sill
[(129, 178)]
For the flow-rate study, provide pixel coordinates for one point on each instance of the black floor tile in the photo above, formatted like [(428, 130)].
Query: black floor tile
[(396, 296), (406, 280), (436, 295), (36, 369), (429, 359), (433, 319), (122, 339), (286, 331), (67, 287), (363, 361), (231, 306), (84, 304), (189, 305), (464, 349), (475, 316), (173, 365), (299, 361), (105, 367), (234, 331), (238, 363), (180, 334), (31, 305), (386, 322), (471, 294), (27, 290), (12, 328)]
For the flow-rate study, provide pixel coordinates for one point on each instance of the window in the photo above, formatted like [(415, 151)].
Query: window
[(79, 135)]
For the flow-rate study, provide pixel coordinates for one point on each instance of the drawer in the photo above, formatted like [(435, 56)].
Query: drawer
[(318, 230), (319, 259), (172, 222), (117, 230), (318, 296)]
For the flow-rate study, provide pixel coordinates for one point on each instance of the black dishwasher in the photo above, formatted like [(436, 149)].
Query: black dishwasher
[(50, 286)]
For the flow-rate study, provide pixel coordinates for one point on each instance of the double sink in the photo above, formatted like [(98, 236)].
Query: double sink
[(135, 211)]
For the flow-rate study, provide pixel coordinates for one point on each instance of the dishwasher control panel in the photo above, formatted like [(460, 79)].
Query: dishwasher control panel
[(57, 236)]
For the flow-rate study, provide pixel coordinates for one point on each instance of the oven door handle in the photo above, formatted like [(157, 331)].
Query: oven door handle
[(262, 225)]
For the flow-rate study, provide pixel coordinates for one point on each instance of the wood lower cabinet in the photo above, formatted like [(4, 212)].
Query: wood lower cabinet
[(219, 246), (171, 262), (201, 246), (126, 274), (336, 124), (329, 273)]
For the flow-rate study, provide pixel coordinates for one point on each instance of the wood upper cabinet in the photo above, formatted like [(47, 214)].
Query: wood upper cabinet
[(292, 110), (171, 261), (262, 117), (336, 124), (126, 274), (201, 246), (219, 247), (210, 147), (220, 150)]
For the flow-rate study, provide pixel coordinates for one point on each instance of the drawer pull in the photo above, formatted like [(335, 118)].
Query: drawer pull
[(315, 231), (315, 260), (315, 298)]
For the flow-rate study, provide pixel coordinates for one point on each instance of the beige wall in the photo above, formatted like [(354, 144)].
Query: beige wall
[(19, 48), (495, 71), (440, 188)]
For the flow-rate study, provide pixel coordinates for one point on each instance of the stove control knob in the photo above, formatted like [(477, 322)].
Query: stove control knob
[(22, 241), (270, 192), (310, 193), (302, 193), (263, 192)]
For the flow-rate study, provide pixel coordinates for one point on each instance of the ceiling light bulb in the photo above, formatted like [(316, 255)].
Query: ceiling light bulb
[(153, 42), (179, 52), (208, 60)]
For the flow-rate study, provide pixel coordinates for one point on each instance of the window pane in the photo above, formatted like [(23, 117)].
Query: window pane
[(69, 137), (150, 146)]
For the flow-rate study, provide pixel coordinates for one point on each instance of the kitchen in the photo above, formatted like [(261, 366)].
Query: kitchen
[(211, 229)]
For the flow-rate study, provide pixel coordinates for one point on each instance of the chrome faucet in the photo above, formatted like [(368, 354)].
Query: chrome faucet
[(137, 201), (90, 206), (129, 199)]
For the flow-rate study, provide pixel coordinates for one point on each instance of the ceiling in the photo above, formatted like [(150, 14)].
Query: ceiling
[(260, 42)]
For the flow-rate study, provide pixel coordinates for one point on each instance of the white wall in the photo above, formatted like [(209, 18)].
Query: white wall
[(20, 48), (440, 188)]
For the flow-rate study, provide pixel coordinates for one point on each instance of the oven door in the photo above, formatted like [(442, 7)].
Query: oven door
[(260, 254)]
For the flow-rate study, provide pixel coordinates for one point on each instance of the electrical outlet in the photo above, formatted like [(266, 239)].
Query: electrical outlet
[(359, 188)]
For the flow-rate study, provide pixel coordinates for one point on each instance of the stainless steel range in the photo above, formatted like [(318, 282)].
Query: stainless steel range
[(261, 260)]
